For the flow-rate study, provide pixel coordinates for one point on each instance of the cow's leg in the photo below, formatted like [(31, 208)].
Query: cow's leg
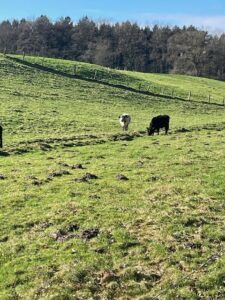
[(158, 131), (166, 129)]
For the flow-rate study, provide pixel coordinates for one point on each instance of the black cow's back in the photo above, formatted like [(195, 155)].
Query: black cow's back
[(160, 121)]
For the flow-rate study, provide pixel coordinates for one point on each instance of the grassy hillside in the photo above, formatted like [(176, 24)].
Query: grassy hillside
[(157, 235), (171, 85), (182, 85)]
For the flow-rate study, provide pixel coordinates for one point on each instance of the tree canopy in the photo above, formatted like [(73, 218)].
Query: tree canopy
[(125, 45)]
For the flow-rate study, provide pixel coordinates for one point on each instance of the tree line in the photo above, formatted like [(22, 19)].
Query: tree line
[(125, 45)]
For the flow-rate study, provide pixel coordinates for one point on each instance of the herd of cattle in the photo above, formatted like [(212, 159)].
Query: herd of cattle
[(161, 121)]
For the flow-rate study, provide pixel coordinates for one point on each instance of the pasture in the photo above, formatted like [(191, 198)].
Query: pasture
[(65, 234)]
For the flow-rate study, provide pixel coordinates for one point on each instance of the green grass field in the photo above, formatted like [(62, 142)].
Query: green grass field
[(158, 235), (171, 85)]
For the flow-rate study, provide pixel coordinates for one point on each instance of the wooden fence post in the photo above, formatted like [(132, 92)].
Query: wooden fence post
[(95, 75), (209, 98), (172, 93), (189, 95), (74, 70), (1, 139)]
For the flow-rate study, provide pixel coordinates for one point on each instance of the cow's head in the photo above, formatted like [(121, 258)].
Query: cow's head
[(150, 130), (124, 118)]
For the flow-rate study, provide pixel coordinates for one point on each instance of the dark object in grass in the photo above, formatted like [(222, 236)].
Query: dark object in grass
[(90, 176), (58, 174), (86, 177), (36, 182), (122, 137), (161, 121), (2, 177), (60, 236), (72, 227), (94, 197), (183, 130), (77, 166), (121, 177), (45, 146), (4, 239), (20, 151), (63, 235), (82, 179), (4, 153), (89, 233)]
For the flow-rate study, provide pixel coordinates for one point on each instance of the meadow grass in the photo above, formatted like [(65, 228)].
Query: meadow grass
[(171, 85), (157, 235), (182, 85)]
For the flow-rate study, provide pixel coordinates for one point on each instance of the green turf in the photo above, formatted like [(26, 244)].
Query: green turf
[(182, 85), (171, 85), (159, 235)]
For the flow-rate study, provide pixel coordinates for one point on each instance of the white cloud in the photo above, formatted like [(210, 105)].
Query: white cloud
[(210, 23)]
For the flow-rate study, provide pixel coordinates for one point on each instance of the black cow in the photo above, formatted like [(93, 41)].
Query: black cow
[(158, 122)]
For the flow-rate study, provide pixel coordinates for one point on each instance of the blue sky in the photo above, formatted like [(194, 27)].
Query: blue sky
[(207, 14)]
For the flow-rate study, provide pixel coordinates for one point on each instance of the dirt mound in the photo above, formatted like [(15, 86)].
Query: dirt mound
[(121, 177), (58, 174)]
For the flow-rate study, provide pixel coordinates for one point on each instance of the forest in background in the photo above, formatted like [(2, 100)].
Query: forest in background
[(126, 45)]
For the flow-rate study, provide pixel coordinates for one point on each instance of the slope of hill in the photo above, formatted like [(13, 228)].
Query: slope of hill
[(171, 85), (201, 89), (65, 234)]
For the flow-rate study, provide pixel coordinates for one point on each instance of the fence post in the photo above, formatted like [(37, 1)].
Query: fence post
[(23, 55), (209, 98), (1, 139), (74, 70), (189, 95), (95, 75), (5, 51), (172, 93)]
